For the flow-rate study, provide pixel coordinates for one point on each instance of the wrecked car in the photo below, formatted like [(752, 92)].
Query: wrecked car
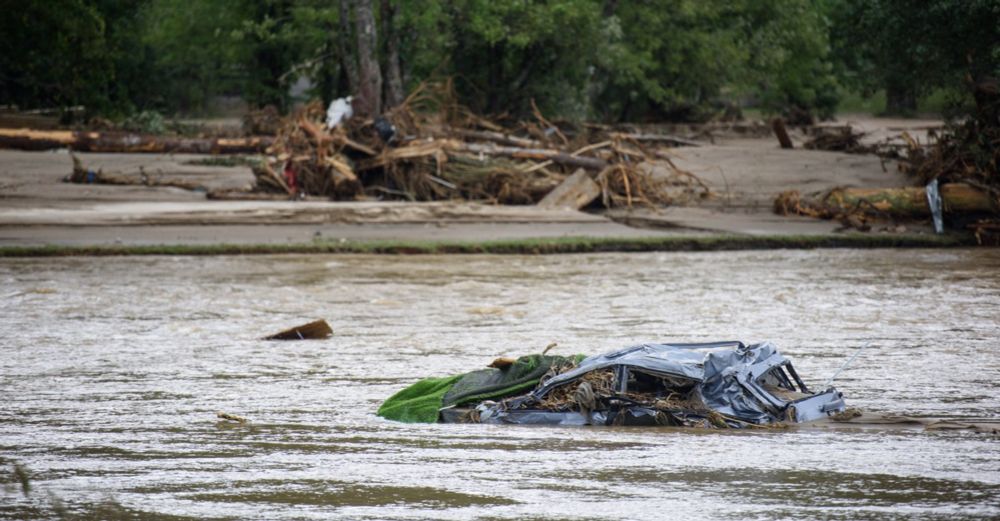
[(710, 385)]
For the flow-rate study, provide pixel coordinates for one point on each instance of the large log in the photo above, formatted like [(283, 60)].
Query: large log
[(124, 142), (906, 202), (912, 200)]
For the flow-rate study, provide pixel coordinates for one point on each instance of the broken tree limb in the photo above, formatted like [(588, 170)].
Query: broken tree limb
[(123, 142), (439, 148), (778, 125), (590, 163), (498, 137), (268, 179), (656, 138)]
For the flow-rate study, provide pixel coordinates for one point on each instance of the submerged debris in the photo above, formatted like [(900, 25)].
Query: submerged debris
[(231, 417), (838, 139), (716, 385), (314, 330)]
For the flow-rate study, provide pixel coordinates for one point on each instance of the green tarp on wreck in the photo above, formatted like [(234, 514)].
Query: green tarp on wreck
[(420, 402)]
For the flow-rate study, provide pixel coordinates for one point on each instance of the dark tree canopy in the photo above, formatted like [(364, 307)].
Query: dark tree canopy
[(581, 59)]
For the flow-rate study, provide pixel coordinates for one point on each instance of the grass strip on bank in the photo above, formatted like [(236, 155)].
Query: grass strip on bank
[(536, 246)]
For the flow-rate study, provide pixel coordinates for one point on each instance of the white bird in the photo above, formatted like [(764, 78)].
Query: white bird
[(340, 110)]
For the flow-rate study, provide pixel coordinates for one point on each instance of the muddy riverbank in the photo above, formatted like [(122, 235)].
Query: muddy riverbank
[(743, 175)]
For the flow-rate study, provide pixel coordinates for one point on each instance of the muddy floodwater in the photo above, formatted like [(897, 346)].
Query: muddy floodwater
[(112, 370)]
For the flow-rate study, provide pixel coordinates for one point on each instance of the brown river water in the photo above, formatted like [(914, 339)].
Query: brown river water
[(112, 370)]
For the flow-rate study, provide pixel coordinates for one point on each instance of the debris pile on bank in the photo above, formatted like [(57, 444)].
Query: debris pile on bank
[(957, 172), (838, 139), (967, 153), (432, 148)]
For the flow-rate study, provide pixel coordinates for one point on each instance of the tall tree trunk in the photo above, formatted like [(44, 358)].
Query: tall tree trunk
[(267, 70), (348, 62), (610, 6), (369, 101), (496, 75), (327, 72), (900, 99), (394, 94)]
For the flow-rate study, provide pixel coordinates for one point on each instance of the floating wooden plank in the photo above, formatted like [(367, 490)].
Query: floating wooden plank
[(311, 331), (577, 191)]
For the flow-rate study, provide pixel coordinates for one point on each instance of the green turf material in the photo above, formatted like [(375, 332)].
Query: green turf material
[(420, 402)]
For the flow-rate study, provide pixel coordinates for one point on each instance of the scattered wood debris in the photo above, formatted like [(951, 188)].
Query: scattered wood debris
[(987, 231), (265, 121), (838, 139), (432, 148), (318, 329)]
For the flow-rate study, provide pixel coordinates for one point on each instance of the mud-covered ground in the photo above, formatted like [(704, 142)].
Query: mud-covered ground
[(744, 174)]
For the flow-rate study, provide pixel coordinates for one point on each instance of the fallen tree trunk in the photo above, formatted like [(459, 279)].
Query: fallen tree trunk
[(910, 201), (123, 142), (83, 175)]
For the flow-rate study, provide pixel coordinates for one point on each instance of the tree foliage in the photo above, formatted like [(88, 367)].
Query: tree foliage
[(596, 59), (909, 47)]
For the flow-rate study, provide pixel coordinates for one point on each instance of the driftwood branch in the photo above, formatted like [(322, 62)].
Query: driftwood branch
[(543, 154), (498, 137), (657, 138)]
